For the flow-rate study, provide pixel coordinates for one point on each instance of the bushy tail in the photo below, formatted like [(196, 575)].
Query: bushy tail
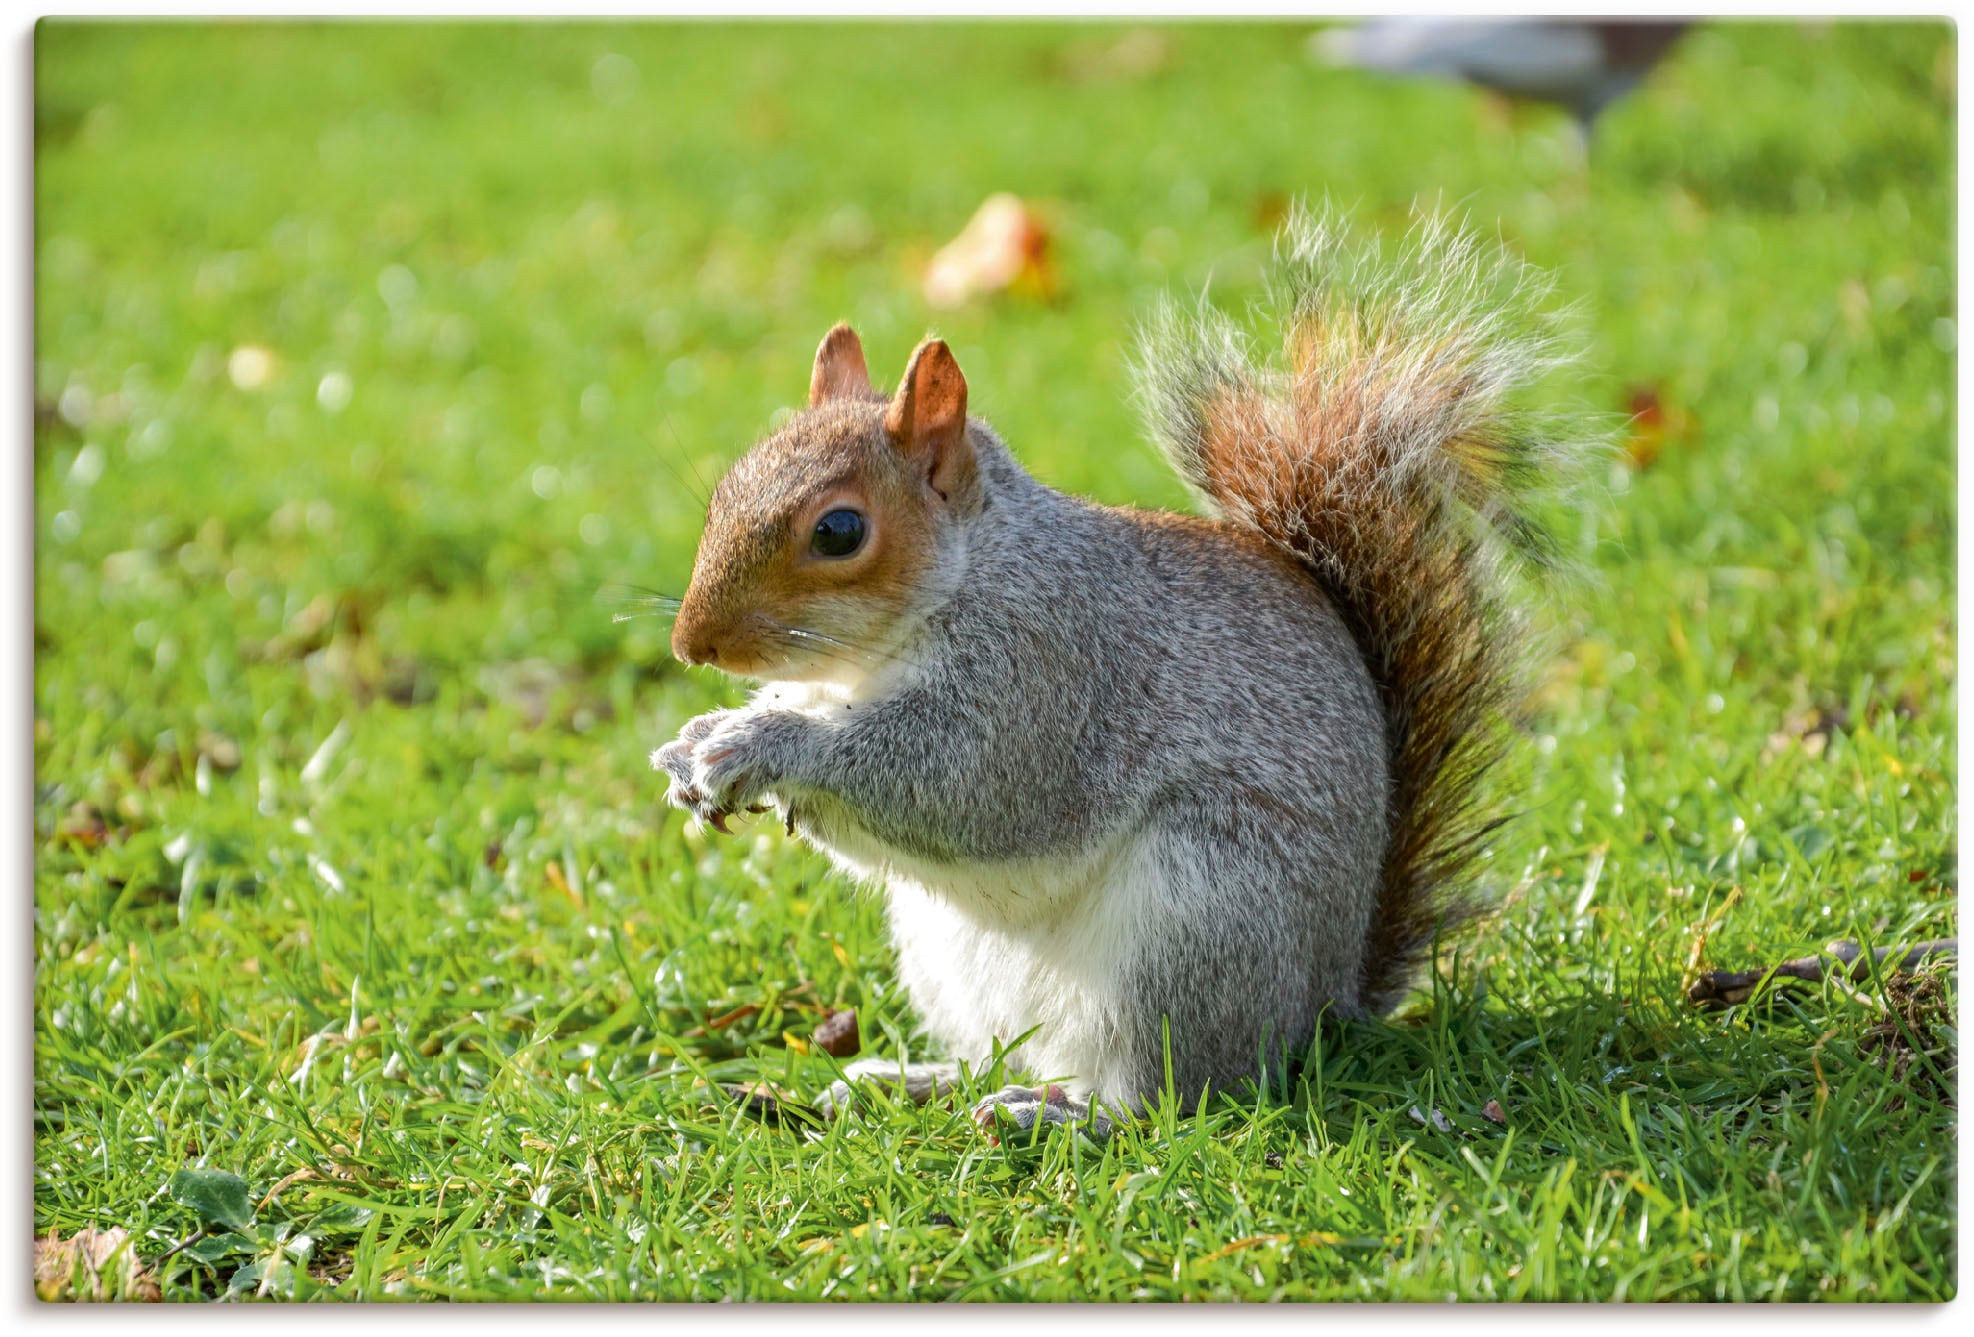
[(1393, 458)]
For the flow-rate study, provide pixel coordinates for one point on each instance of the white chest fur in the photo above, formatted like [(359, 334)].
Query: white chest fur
[(992, 952)]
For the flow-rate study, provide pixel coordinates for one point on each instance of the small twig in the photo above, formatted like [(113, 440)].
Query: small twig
[(1724, 988), (721, 1022), (185, 1243)]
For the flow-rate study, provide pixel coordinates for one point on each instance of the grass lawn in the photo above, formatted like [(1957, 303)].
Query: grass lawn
[(367, 354)]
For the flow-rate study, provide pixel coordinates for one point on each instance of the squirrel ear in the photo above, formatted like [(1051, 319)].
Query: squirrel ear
[(927, 417), (840, 372)]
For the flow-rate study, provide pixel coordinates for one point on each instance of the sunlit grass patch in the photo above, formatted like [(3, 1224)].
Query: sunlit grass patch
[(367, 355)]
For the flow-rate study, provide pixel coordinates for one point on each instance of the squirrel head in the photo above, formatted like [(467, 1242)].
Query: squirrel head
[(823, 537)]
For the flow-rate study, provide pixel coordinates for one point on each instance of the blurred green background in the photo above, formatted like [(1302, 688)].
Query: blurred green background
[(366, 353)]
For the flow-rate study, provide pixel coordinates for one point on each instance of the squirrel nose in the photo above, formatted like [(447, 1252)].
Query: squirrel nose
[(694, 648)]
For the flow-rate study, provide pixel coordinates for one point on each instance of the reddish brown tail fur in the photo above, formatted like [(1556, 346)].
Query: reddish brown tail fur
[(1389, 459)]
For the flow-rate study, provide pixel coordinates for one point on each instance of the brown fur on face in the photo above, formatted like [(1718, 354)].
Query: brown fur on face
[(762, 603), (759, 597)]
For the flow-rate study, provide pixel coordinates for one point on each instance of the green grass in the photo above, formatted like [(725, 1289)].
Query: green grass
[(351, 877)]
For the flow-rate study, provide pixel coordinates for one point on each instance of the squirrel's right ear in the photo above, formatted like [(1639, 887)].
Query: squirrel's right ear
[(840, 372), (926, 419)]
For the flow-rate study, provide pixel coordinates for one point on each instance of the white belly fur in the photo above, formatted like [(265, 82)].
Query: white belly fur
[(989, 952)]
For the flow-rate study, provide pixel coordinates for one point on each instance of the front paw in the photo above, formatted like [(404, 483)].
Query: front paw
[(676, 760), (739, 759), (724, 762)]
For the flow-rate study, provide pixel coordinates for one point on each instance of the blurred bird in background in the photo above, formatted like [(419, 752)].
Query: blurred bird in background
[(1582, 65)]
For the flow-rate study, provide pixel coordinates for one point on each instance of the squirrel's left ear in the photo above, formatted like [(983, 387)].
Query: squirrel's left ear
[(926, 419), (839, 371)]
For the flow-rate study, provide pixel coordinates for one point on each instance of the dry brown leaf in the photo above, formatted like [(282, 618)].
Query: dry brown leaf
[(1003, 245), (91, 1265), (836, 1034), (1654, 425)]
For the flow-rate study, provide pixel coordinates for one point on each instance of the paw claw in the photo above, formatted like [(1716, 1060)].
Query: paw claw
[(716, 766)]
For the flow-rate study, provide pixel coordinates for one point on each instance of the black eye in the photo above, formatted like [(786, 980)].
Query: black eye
[(838, 534)]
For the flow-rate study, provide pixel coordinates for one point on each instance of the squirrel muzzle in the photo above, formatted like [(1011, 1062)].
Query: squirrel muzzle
[(701, 636)]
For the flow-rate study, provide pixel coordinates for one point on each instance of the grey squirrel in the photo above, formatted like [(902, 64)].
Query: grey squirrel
[(1146, 787)]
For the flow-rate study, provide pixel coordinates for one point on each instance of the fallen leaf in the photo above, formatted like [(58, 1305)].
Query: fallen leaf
[(1654, 425), (1005, 243), (91, 1265), (216, 1196), (836, 1034)]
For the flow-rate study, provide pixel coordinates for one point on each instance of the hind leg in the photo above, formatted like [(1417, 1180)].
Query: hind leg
[(918, 1082)]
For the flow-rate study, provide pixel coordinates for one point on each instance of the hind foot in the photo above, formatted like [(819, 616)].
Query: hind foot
[(1026, 1105)]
